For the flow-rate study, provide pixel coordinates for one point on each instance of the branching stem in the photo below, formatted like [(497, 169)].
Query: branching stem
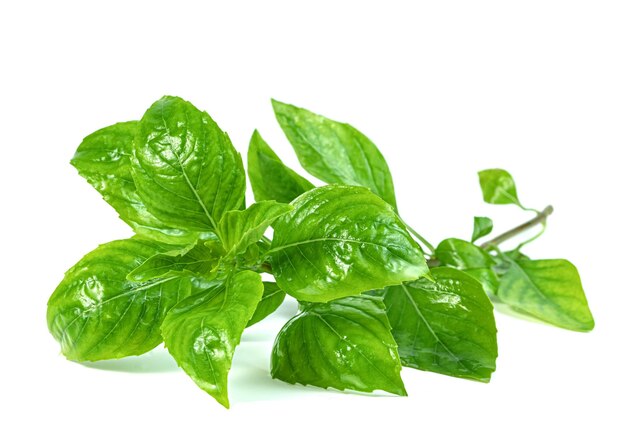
[(540, 218)]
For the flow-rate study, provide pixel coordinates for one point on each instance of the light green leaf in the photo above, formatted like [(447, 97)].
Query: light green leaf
[(344, 344), (270, 178), (482, 227), (498, 187), (446, 326), (95, 313), (241, 228), (185, 167), (340, 241), (335, 152), (202, 259), (470, 258), (272, 298), (548, 289), (202, 331), (103, 158)]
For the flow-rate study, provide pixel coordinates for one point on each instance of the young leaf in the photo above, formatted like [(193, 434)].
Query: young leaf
[(340, 241), (270, 178), (241, 228), (550, 290), (344, 344), (202, 259), (446, 326), (470, 258), (335, 152), (482, 227), (103, 158), (272, 297), (95, 313), (202, 331), (498, 187), (186, 170)]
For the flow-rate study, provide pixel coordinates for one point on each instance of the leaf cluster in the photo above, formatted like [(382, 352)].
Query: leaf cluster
[(374, 295)]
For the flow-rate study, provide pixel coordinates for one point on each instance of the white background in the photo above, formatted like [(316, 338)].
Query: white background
[(443, 88)]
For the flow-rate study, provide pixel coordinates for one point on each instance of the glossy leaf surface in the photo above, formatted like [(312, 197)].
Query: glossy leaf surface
[(340, 241), (272, 297), (95, 313), (186, 170), (335, 152), (482, 227), (202, 331), (550, 290), (446, 326), (103, 159), (498, 187), (201, 260), (241, 228), (344, 344), (270, 178), (471, 259)]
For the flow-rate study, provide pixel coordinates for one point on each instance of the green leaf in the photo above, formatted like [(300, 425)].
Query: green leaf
[(103, 158), (95, 313), (548, 289), (470, 258), (270, 178), (185, 167), (241, 228), (498, 187), (482, 227), (340, 241), (335, 152), (344, 344), (446, 326), (202, 259), (202, 331), (272, 298)]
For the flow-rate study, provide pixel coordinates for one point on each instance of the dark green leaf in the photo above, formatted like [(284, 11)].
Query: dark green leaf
[(95, 313), (186, 170), (498, 187), (550, 290), (344, 344), (270, 178), (202, 259), (482, 227), (241, 228), (340, 241), (335, 152), (446, 326), (103, 158), (202, 331), (272, 297)]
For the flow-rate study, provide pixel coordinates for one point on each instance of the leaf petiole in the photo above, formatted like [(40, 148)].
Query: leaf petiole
[(540, 218)]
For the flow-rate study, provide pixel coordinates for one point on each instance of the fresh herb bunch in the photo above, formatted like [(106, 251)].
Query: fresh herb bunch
[(373, 294)]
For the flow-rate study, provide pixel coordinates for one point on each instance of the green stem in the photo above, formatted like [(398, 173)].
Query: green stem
[(540, 218), (419, 237)]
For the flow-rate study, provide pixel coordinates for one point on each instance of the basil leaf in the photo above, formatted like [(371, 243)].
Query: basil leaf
[(241, 228), (498, 187), (202, 331), (272, 298), (95, 313), (335, 152), (470, 258), (548, 289), (270, 178), (344, 344), (103, 158), (185, 167), (202, 259), (340, 241), (482, 227), (446, 326)]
